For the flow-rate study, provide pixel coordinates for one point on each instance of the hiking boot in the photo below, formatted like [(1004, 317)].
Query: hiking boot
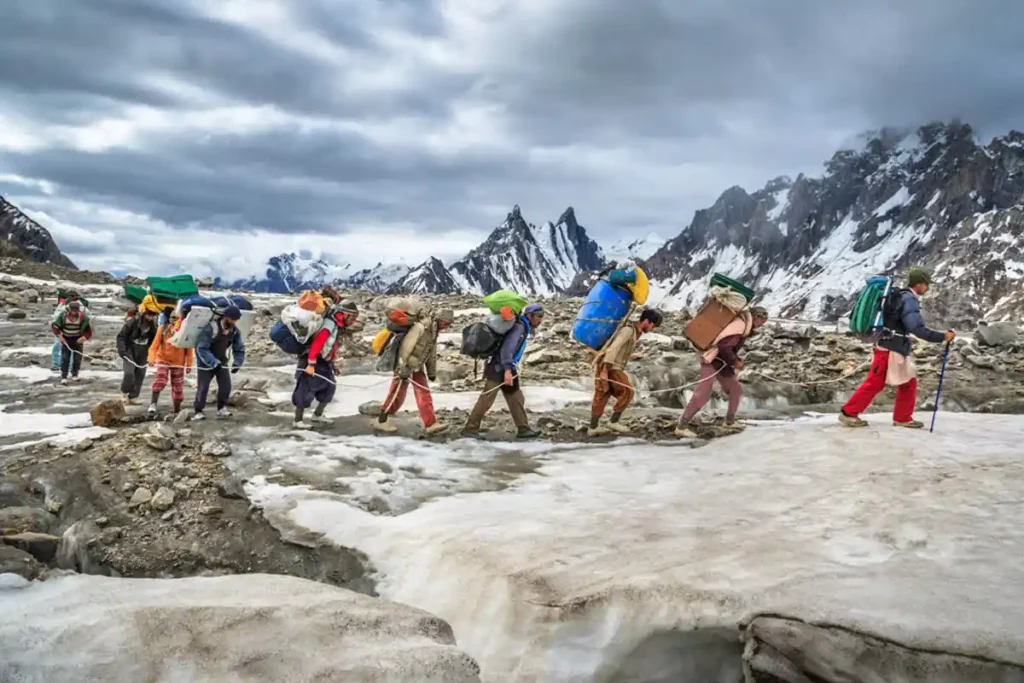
[(198, 417), (384, 427), (470, 434), (76, 378), (619, 427), (593, 432), (151, 410), (527, 433), (127, 400), (848, 421), (320, 419), (223, 413), (300, 425), (909, 424), (435, 428)]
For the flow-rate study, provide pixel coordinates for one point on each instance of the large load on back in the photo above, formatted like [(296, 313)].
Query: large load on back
[(481, 340), (401, 314), (608, 305), (168, 291), (300, 322), (196, 312), (876, 308), (726, 299)]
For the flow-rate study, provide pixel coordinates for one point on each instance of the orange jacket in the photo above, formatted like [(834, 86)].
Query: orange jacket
[(163, 352)]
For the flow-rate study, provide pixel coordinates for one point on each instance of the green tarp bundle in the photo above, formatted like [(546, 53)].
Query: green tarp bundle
[(169, 290), (503, 297), (135, 293)]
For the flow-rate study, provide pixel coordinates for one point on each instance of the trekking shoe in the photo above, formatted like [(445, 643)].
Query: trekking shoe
[(76, 378), (320, 419), (594, 432), (127, 400), (198, 417), (909, 424), (151, 410), (300, 425), (223, 413), (527, 433), (619, 427), (384, 427), (470, 434), (64, 381), (435, 428), (848, 421)]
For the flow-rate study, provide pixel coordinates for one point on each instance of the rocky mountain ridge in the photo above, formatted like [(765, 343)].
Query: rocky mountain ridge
[(934, 197), (22, 237)]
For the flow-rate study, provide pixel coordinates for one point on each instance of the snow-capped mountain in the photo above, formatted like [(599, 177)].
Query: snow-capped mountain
[(935, 197), (517, 255), (297, 272), (635, 249), (22, 237)]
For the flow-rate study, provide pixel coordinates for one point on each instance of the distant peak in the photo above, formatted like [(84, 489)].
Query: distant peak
[(568, 217)]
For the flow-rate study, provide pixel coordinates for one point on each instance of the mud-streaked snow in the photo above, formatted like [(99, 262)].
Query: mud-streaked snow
[(7, 354), (217, 629), (36, 374), (910, 536)]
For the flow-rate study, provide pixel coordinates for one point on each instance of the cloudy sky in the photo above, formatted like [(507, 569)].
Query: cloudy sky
[(151, 135)]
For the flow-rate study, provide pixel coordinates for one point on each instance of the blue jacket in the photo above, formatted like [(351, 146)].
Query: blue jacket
[(204, 350), (511, 350), (909, 322)]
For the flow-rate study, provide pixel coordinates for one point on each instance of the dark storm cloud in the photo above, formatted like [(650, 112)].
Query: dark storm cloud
[(693, 97)]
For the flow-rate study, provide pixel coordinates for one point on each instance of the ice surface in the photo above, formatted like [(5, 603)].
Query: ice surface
[(7, 354), (909, 536), (255, 627), (35, 374)]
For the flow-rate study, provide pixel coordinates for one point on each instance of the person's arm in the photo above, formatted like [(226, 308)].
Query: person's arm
[(237, 348), (407, 352), (319, 341), (913, 321), (509, 346), (430, 364), (207, 361), (122, 338)]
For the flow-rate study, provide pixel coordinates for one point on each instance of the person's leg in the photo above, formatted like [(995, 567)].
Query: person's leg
[(223, 387), (302, 396), (602, 393), (734, 390), (55, 354), (65, 361), (76, 357), (906, 399), (159, 384), (516, 405), (202, 389), (701, 394), (177, 388), (870, 387), (624, 393), (324, 393), (139, 380), (424, 401), (397, 391), (483, 404)]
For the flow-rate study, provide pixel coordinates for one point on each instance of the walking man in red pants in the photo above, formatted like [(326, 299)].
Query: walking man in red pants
[(893, 363)]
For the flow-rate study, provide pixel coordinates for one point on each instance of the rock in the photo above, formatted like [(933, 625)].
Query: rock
[(158, 443), (141, 496), (29, 296), (997, 334), (14, 492), (17, 520), (370, 408), (546, 355), (73, 552), (108, 414), (182, 418), (257, 385), (232, 488), (985, 362), (43, 547), (16, 561), (16, 314), (681, 344), (238, 399), (84, 445), (801, 333), (215, 449), (163, 499)]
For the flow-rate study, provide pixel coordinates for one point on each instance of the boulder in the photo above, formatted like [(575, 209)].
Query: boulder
[(158, 443), (215, 449), (238, 399), (16, 314), (997, 334), (141, 496), (163, 499), (16, 492), (29, 296), (43, 547), (370, 408), (16, 561), (17, 520), (108, 414)]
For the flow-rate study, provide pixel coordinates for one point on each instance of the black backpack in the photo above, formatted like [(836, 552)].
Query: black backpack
[(480, 341), (892, 310)]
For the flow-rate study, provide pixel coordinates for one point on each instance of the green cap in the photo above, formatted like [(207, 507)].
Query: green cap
[(918, 276)]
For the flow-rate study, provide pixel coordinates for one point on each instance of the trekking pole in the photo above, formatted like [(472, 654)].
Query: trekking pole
[(938, 393)]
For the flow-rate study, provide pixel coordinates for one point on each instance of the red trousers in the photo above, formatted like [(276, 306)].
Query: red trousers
[(424, 401), (906, 394)]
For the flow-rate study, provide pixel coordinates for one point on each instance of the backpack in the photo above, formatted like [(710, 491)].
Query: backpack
[(877, 309), (482, 339), (281, 335), (311, 300), (402, 312)]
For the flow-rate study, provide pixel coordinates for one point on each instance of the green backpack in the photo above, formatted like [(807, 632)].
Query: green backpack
[(869, 311), (503, 297)]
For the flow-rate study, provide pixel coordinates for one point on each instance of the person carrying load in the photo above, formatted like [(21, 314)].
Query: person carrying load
[(610, 378), (502, 372), (900, 315), (416, 363), (133, 342), (315, 373), (172, 364), (721, 362), (72, 328), (219, 347)]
